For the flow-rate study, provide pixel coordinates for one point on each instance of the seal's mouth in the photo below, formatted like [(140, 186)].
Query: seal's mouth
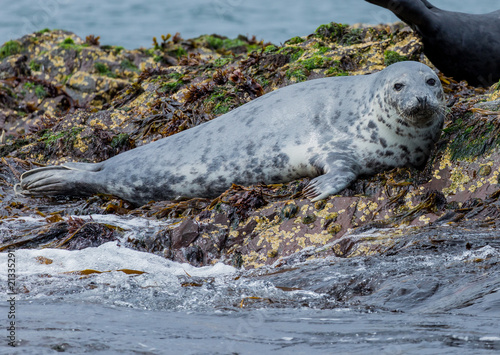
[(421, 113)]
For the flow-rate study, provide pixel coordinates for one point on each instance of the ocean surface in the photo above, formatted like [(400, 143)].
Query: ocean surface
[(133, 23), (433, 296)]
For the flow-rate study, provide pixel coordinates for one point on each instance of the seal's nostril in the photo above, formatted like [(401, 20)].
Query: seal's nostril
[(422, 100)]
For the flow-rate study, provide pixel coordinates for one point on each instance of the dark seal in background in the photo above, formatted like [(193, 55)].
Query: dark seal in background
[(462, 46)]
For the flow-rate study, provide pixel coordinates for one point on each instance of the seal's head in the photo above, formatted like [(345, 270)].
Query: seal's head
[(414, 92)]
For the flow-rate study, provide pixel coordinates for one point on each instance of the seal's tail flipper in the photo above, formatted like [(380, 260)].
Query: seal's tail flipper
[(70, 179)]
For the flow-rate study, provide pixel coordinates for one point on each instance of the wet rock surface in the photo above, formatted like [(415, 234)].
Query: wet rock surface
[(63, 98)]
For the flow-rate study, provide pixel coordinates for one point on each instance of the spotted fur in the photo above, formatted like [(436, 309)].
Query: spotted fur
[(331, 130)]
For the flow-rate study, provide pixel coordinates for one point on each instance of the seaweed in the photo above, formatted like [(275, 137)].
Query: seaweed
[(299, 74), (391, 57), (222, 61), (34, 66), (177, 52), (45, 30), (6, 149), (121, 141), (67, 43), (171, 87), (127, 64), (40, 92), (340, 33), (295, 40), (270, 49), (10, 48), (292, 52), (92, 40), (218, 103), (300, 69), (50, 139), (217, 42), (474, 140), (212, 75), (335, 70), (103, 69)]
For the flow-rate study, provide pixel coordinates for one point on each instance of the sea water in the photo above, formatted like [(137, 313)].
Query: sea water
[(437, 297)]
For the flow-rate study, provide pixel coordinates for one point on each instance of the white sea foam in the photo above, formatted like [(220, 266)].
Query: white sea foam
[(482, 253), (107, 257), (492, 338)]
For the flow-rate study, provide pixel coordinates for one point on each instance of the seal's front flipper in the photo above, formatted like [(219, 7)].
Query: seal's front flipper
[(71, 179), (331, 183)]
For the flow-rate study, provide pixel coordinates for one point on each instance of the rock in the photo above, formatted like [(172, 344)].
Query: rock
[(50, 63), (63, 98), (489, 105), (185, 234), (82, 81)]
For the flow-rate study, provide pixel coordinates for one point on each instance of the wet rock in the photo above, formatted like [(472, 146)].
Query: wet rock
[(194, 255), (82, 81), (488, 105), (63, 98), (241, 234), (62, 60), (185, 234)]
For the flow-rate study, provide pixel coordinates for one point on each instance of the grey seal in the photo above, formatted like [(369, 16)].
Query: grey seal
[(330, 129), (463, 46)]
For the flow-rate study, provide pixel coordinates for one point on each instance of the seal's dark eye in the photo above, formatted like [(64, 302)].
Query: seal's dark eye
[(431, 82), (398, 87)]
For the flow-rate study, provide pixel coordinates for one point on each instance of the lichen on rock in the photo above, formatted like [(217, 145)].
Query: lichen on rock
[(64, 98)]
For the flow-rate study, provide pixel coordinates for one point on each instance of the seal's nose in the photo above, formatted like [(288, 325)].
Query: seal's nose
[(422, 101)]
